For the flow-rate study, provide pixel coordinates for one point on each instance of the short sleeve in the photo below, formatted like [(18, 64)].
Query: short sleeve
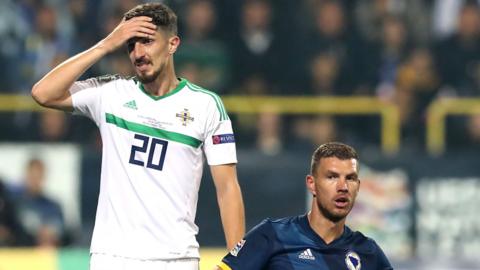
[(86, 98), (219, 144), (254, 251)]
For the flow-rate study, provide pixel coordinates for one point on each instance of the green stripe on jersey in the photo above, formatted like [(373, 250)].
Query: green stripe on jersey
[(156, 132), (218, 101)]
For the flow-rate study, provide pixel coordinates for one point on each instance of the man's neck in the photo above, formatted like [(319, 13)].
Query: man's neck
[(162, 85), (325, 228)]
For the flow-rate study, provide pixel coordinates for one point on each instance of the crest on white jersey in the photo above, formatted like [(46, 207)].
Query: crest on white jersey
[(185, 116), (353, 261)]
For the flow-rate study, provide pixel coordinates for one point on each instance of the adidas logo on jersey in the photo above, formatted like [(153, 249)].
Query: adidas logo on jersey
[(306, 255), (131, 104)]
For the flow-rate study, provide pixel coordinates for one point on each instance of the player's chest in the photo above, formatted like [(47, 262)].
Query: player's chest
[(177, 116), (323, 260)]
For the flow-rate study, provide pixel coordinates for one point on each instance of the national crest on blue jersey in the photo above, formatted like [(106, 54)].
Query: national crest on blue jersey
[(237, 248), (353, 261), (185, 116)]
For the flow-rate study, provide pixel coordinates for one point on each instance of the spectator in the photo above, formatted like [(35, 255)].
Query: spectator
[(459, 54), (53, 126), (43, 46), (13, 30), (11, 232), (392, 50), (40, 215), (417, 85), (201, 50), (331, 36), (255, 47), (324, 73), (370, 14)]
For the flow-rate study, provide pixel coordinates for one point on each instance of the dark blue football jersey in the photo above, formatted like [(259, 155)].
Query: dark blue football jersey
[(291, 244)]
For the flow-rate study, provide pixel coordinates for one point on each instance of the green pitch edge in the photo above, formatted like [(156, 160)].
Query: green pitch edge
[(73, 259)]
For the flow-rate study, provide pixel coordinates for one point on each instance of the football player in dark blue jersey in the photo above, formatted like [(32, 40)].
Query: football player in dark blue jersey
[(318, 239)]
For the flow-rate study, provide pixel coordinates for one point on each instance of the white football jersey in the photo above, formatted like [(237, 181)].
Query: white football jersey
[(152, 163)]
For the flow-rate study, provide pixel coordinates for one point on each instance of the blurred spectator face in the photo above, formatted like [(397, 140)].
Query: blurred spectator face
[(394, 32), (34, 176), (418, 73), (46, 22), (256, 85), (200, 19), (469, 21), (381, 7), (256, 15), (78, 7), (421, 59), (52, 125), (323, 130), (330, 19), (324, 70)]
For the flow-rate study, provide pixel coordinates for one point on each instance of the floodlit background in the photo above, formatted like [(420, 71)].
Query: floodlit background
[(397, 79)]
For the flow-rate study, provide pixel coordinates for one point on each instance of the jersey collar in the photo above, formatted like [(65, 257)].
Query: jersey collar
[(303, 221), (180, 86)]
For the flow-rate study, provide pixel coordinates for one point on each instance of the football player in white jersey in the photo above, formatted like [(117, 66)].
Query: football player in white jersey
[(155, 129)]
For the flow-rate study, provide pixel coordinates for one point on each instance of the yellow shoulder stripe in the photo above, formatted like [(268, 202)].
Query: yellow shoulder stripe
[(224, 266)]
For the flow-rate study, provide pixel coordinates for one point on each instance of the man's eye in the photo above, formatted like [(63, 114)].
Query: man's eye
[(130, 46), (146, 40)]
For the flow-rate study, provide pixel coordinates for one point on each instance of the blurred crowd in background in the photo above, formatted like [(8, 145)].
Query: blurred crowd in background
[(407, 52)]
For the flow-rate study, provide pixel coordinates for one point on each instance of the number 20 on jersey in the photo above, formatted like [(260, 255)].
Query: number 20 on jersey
[(156, 149)]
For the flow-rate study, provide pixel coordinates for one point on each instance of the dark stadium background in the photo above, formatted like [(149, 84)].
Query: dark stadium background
[(397, 79)]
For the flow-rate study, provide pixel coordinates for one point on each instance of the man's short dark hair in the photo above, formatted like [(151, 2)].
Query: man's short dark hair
[(332, 149), (161, 15)]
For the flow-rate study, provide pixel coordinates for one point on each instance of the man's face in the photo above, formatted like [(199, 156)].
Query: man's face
[(150, 56), (335, 185)]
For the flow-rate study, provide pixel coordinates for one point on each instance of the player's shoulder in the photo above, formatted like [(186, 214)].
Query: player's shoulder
[(201, 91), (280, 223), (108, 79), (206, 98), (363, 242), (284, 220), (115, 77)]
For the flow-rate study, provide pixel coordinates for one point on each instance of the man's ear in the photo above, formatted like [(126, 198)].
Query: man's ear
[(173, 44), (310, 183)]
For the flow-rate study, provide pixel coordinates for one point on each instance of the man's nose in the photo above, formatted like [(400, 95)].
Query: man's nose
[(138, 50), (342, 184)]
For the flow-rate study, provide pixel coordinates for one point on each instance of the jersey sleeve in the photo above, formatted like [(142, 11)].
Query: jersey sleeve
[(86, 98), (254, 251), (382, 261), (219, 144)]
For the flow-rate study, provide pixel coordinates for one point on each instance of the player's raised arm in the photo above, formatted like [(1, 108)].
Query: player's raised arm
[(230, 202), (52, 90)]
